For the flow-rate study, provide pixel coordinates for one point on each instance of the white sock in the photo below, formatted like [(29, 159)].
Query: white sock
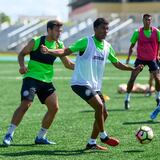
[(127, 98), (42, 133), (103, 135), (92, 141), (157, 95), (11, 129)]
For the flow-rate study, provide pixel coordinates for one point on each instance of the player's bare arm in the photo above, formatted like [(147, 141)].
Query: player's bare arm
[(130, 53), (122, 66), (56, 52), (67, 62), (26, 50), (61, 53)]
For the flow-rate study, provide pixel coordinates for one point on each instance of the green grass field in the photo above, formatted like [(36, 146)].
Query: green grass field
[(72, 126)]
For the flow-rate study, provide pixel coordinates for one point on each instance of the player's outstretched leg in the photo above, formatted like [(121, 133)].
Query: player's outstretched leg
[(52, 106), (130, 84), (16, 119)]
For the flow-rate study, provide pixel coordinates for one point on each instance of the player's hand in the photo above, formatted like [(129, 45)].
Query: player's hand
[(44, 49), (23, 70), (158, 57)]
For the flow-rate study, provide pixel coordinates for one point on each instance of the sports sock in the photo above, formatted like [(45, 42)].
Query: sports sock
[(127, 98), (92, 141), (103, 135), (11, 129), (42, 133)]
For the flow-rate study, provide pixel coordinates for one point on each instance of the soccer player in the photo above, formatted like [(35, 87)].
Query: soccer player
[(148, 40), (37, 79), (151, 77), (87, 76)]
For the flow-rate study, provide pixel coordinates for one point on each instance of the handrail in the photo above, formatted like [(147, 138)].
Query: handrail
[(124, 24), (18, 30), (25, 33), (83, 25), (114, 22)]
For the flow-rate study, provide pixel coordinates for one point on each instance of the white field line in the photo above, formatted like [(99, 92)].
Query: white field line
[(68, 78), (7, 72)]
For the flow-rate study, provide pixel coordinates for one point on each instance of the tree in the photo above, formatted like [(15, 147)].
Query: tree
[(4, 18)]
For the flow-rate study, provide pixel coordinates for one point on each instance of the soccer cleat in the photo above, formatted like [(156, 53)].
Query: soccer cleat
[(110, 141), (155, 113), (148, 94), (7, 140), (126, 104), (95, 147), (43, 141)]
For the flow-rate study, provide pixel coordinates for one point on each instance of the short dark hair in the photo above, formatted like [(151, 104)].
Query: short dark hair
[(146, 15), (51, 24), (100, 21)]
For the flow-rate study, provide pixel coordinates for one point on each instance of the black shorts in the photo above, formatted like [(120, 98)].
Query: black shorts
[(153, 65), (31, 86), (158, 63), (86, 92)]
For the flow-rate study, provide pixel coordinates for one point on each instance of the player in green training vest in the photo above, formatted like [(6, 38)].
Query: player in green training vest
[(38, 80)]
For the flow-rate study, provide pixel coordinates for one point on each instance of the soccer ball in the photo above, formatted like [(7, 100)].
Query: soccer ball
[(144, 134)]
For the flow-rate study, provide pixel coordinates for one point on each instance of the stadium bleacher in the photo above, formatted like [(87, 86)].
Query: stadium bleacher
[(122, 26)]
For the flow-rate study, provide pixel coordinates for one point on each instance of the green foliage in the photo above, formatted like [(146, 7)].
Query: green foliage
[(4, 18)]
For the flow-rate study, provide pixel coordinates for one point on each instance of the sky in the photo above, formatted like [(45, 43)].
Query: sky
[(13, 8)]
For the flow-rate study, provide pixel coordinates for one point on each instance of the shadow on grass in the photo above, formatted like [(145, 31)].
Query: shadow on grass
[(51, 153), (17, 145), (86, 111), (109, 110), (116, 110), (23, 145), (138, 95), (133, 151), (141, 122)]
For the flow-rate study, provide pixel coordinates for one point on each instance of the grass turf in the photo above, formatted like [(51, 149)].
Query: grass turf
[(72, 126)]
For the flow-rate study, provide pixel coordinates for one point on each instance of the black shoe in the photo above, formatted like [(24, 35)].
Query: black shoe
[(126, 105), (148, 94)]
